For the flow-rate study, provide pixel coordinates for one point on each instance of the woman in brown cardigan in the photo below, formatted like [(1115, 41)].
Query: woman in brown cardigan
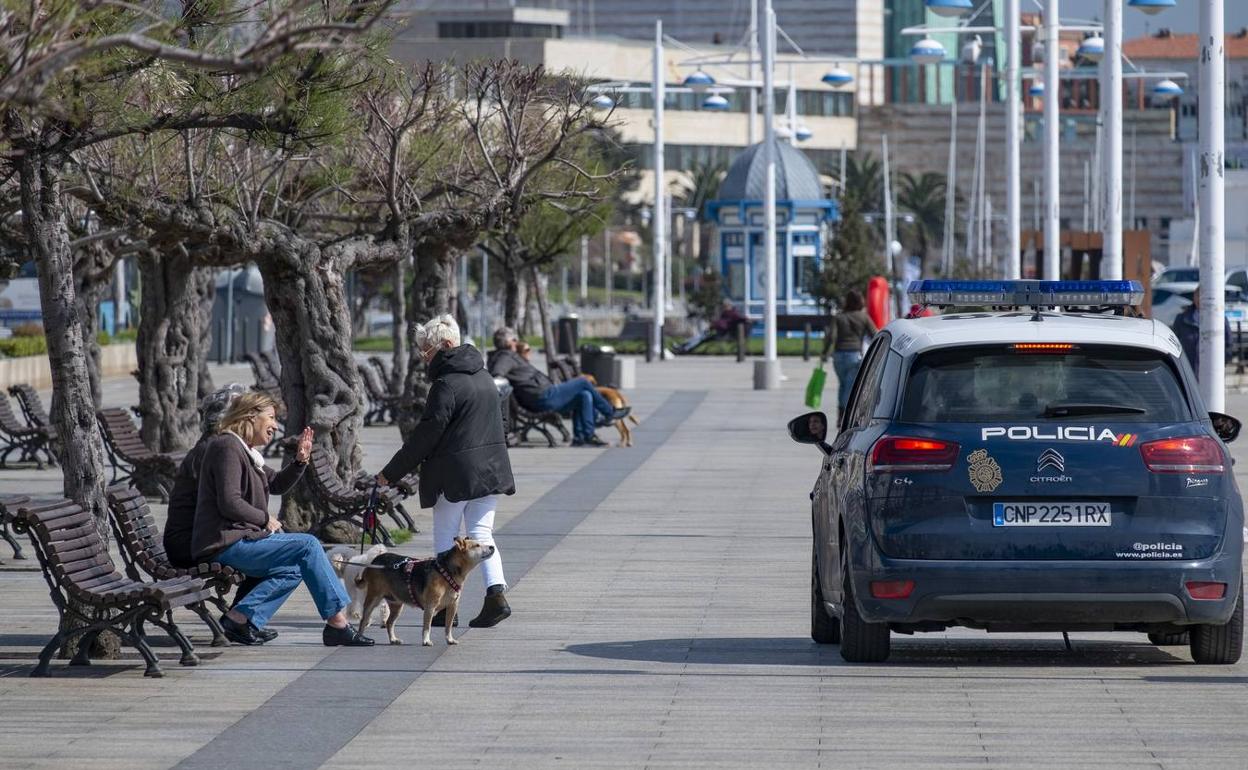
[(233, 527)]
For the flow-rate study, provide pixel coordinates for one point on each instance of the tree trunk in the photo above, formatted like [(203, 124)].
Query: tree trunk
[(398, 327), (174, 331), (304, 290), (537, 280), (430, 297), (73, 410), (511, 298)]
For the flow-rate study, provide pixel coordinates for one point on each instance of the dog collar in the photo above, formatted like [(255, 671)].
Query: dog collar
[(446, 575)]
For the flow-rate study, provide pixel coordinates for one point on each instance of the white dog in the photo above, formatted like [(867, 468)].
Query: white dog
[(349, 565)]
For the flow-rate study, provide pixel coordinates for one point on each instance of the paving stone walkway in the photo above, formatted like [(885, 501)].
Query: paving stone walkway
[(661, 609)]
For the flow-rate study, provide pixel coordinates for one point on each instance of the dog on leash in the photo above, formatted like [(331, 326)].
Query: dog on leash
[(617, 401), (350, 565), (431, 584)]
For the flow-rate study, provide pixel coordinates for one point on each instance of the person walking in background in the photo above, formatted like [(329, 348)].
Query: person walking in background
[(233, 526), (460, 449), (1187, 328), (844, 337)]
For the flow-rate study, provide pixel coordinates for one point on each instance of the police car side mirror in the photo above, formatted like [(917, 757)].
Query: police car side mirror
[(1226, 426), (810, 428)]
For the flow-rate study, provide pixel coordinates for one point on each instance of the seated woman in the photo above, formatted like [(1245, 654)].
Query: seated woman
[(233, 527)]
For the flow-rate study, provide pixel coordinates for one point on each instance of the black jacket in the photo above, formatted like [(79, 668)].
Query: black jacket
[(458, 444), (180, 522), (528, 383), (1187, 328)]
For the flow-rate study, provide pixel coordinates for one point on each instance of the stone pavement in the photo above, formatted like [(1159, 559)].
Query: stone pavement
[(661, 617)]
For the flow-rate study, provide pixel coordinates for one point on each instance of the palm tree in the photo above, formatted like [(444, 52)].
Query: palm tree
[(700, 186), (864, 179), (923, 197)]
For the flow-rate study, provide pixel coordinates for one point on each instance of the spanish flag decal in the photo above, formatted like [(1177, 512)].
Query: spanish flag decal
[(1127, 439)]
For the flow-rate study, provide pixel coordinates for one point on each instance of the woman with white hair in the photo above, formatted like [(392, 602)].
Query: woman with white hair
[(461, 451)]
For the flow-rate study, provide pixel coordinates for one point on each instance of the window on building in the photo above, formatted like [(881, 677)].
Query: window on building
[(494, 29)]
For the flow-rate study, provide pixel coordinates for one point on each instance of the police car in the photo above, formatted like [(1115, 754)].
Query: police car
[(1046, 466)]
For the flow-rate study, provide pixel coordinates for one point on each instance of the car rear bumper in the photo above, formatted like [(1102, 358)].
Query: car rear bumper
[(1003, 595)]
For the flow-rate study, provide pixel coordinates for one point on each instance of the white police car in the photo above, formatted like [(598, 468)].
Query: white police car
[(1033, 468)]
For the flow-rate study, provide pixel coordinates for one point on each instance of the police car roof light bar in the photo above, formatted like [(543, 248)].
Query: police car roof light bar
[(1026, 293)]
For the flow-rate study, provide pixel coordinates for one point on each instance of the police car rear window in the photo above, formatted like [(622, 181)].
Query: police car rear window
[(977, 383)]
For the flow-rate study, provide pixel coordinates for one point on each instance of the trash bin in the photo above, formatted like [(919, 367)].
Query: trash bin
[(567, 335), (600, 362)]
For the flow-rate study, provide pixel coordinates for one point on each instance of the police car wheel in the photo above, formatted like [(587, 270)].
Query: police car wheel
[(824, 628), (1220, 645), (861, 642), (1170, 640)]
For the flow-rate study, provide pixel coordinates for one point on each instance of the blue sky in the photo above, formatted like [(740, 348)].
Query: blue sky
[(1183, 18)]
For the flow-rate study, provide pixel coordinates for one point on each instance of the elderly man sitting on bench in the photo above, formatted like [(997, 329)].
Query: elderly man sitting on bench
[(537, 393)]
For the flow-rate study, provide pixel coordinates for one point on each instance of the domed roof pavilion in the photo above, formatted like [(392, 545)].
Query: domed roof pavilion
[(802, 218)]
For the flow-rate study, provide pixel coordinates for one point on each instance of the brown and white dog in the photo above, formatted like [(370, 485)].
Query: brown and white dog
[(617, 401), (431, 584), (349, 565)]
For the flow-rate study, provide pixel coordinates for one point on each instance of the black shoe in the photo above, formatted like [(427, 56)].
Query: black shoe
[(439, 621), (265, 634), (494, 611), (240, 633), (614, 417), (346, 636), (592, 441)]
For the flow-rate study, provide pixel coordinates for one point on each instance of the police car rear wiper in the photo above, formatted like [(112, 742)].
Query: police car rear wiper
[(1071, 410)]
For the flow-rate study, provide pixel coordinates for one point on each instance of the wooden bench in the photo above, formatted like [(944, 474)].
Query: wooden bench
[(8, 511), (265, 379), (132, 460), (31, 405), (33, 443), (382, 404), (88, 591), (143, 549), (340, 502)]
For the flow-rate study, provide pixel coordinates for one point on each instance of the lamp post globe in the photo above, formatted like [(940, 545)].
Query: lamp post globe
[(1167, 87), (837, 77), (697, 80), (802, 133), (927, 51), (1152, 6), (949, 8), (1036, 89), (602, 102), (715, 103), (1092, 48)]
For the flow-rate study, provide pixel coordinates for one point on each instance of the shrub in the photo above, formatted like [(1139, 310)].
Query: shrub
[(16, 347), (28, 329)]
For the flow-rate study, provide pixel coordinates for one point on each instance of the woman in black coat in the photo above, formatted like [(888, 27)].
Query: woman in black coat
[(460, 448)]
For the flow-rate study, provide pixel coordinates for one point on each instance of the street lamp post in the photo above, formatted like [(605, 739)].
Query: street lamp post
[(767, 371), (1212, 373), (659, 219), (1052, 159), (1111, 120), (1013, 145)]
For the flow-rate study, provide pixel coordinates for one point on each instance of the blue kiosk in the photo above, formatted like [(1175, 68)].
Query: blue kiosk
[(802, 218)]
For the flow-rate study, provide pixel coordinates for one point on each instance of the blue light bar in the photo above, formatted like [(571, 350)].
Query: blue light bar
[(938, 293)]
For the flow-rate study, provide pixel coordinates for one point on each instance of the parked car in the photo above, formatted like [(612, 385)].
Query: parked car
[(1025, 471), (1169, 299)]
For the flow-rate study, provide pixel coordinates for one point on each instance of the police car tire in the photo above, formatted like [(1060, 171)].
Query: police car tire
[(1176, 639), (824, 628), (861, 642), (1220, 645)]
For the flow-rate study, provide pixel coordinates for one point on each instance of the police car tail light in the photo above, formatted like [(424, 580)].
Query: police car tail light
[(1193, 454), (893, 454), (1202, 589)]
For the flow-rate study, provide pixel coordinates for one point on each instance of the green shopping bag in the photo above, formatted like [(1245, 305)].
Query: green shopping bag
[(814, 388)]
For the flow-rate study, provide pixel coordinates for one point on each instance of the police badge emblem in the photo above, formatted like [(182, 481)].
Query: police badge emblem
[(985, 473)]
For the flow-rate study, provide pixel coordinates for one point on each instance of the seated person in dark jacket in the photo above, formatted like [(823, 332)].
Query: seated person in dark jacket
[(233, 526), (537, 393), (461, 452), (181, 519), (725, 326)]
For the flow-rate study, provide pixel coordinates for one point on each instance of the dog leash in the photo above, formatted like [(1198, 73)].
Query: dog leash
[(369, 519)]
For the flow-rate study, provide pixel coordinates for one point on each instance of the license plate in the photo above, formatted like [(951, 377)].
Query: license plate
[(1051, 515)]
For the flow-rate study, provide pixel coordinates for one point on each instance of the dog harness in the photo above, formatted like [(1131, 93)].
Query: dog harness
[(409, 569)]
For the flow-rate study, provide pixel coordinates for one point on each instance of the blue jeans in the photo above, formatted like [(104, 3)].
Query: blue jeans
[(282, 561), (846, 363), (581, 399)]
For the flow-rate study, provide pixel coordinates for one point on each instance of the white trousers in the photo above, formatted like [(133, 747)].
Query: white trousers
[(477, 519)]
